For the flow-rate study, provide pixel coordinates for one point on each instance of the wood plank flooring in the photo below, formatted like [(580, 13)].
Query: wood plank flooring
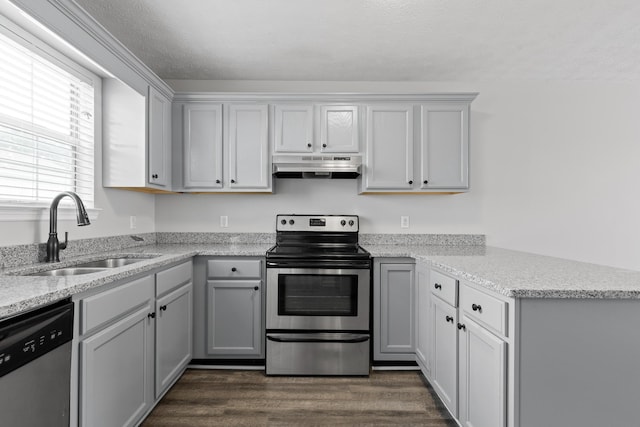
[(249, 398)]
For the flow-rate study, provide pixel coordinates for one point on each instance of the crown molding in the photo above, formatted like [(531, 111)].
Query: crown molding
[(91, 28), (322, 97)]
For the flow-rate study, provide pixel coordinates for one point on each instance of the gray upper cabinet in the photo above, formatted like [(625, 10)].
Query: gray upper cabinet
[(249, 161), (225, 147), (389, 148), (293, 128), (136, 146), (444, 146), (339, 129), (420, 147), (393, 310), (159, 123), (202, 146)]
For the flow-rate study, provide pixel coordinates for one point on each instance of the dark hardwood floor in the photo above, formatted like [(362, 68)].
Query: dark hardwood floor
[(249, 398)]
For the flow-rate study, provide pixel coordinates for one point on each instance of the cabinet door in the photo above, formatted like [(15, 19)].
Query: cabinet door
[(396, 312), (159, 143), (116, 367), (444, 356), (339, 129), (293, 131), (234, 310), (249, 159), (389, 146), (445, 146), (423, 319), (202, 156), (482, 376), (174, 317)]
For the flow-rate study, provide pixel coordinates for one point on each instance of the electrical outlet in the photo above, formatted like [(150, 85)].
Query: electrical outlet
[(224, 221), (404, 222), (133, 222)]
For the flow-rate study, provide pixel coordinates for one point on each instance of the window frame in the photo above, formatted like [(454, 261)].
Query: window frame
[(15, 210)]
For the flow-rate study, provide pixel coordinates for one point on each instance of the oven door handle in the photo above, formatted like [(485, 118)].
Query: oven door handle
[(319, 337)]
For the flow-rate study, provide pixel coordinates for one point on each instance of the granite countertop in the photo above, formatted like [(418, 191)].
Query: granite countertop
[(510, 273), (20, 293), (521, 274)]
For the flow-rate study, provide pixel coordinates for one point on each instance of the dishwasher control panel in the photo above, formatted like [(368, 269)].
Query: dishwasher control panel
[(26, 337)]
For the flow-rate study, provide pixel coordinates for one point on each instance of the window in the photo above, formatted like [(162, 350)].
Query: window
[(46, 125)]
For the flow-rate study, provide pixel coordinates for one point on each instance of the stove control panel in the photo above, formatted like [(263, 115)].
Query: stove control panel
[(320, 223)]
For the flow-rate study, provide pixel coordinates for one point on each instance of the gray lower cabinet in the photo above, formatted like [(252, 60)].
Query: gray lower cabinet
[(174, 324), (444, 353), (116, 369), (234, 317), (482, 385), (423, 318), (228, 307), (134, 342), (393, 309), (116, 363)]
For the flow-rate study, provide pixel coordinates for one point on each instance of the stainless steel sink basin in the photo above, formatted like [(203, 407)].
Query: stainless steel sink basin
[(110, 262), (94, 266), (68, 271)]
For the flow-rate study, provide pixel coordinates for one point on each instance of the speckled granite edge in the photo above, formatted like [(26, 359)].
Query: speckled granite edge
[(423, 239), (13, 256), (214, 238)]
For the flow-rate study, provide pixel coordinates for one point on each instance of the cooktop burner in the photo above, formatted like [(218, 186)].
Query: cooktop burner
[(309, 239)]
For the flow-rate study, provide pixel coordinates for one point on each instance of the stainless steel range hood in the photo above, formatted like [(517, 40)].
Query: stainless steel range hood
[(328, 167)]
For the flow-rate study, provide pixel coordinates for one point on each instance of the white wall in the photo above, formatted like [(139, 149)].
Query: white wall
[(554, 170)]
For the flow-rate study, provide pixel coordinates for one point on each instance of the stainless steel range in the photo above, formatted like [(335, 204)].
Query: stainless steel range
[(318, 297)]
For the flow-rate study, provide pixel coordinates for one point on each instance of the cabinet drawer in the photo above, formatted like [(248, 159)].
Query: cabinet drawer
[(100, 309), (487, 310), (234, 268), (173, 277), (445, 287)]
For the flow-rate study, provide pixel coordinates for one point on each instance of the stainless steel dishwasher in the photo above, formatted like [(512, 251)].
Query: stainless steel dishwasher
[(35, 367)]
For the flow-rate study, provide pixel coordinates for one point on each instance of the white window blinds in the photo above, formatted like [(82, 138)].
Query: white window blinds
[(46, 128)]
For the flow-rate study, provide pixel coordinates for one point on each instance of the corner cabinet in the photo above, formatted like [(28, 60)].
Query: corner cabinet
[(136, 148), (224, 147), (393, 309)]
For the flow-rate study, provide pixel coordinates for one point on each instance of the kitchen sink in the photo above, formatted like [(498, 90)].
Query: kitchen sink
[(94, 266), (68, 271), (110, 262)]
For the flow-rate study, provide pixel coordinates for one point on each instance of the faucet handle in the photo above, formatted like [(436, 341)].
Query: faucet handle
[(66, 239)]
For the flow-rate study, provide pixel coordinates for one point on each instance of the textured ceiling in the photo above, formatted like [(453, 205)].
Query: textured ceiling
[(396, 40)]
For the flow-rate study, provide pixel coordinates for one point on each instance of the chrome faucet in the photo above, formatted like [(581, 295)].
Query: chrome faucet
[(53, 245)]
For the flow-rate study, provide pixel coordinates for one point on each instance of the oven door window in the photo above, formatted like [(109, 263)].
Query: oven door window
[(317, 295)]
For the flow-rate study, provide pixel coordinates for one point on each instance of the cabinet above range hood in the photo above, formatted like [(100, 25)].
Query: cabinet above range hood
[(328, 167)]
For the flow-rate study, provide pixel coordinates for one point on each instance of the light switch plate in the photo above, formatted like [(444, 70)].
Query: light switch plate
[(404, 222), (224, 221)]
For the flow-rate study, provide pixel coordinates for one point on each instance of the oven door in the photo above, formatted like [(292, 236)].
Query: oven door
[(318, 299)]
